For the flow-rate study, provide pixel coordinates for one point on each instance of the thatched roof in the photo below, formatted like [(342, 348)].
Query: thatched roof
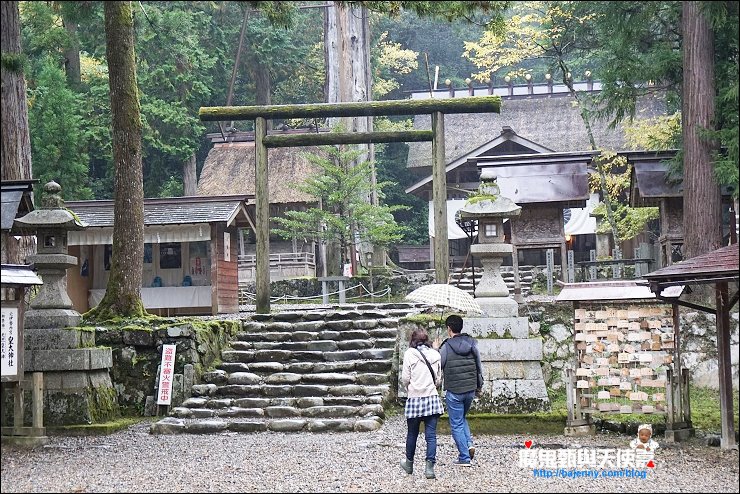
[(229, 169), (549, 120)]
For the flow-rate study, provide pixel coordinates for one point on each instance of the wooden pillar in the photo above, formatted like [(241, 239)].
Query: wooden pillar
[(37, 395), (262, 213), (517, 282), (678, 391), (725, 367), (439, 178)]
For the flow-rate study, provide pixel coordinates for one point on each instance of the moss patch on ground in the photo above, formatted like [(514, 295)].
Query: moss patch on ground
[(98, 429)]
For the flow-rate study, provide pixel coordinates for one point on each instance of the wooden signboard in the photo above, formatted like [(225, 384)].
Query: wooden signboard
[(12, 341)]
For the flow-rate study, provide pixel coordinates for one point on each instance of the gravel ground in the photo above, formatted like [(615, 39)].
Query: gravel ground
[(135, 461)]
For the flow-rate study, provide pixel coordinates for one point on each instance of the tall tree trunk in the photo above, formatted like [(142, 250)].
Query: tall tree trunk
[(15, 147), (189, 176), (122, 295), (72, 55), (346, 47), (702, 214)]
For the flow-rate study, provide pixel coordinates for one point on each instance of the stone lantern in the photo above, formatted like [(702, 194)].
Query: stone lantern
[(511, 359), (52, 307), (490, 208)]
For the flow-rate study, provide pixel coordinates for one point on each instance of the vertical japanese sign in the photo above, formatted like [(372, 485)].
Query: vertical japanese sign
[(9, 344), (227, 246), (166, 372)]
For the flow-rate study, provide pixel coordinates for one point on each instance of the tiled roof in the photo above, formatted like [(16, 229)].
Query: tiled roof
[(719, 263), (166, 211), (550, 120)]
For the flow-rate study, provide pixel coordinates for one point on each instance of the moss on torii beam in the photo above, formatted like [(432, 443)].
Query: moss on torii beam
[(473, 104)]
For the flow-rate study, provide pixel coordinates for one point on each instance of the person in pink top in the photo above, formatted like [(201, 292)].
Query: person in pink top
[(422, 375)]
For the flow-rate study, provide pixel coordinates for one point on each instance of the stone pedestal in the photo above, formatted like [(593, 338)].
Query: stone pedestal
[(77, 385), (512, 374), (491, 293)]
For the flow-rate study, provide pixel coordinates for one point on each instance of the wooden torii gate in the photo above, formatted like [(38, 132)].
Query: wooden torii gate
[(262, 142)]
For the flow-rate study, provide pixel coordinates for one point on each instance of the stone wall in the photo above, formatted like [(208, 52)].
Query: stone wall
[(137, 352), (554, 322)]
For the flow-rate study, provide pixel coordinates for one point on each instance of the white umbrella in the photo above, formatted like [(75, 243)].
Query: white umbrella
[(444, 295)]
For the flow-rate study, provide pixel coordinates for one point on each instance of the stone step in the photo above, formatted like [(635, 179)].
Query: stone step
[(173, 425), (311, 333), (220, 376), (297, 390), (287, 356), (305, 408), (315, 345)]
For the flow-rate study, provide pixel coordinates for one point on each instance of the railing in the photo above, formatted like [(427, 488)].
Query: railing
[(282, 265)]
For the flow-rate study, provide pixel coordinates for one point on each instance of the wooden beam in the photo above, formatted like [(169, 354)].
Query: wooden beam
[(262, 214), (439, 200), (683, 303), (473, 104), (314, 139)]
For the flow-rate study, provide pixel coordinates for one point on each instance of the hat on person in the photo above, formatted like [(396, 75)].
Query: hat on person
[(645, 426)]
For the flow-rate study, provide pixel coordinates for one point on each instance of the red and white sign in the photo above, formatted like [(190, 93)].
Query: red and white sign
[(166, 374)]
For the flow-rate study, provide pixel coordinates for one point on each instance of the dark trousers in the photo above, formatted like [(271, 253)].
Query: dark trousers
[(430, 435)]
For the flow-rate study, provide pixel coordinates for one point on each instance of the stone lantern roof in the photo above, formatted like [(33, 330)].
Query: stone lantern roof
[(489, 202), (52, 213)]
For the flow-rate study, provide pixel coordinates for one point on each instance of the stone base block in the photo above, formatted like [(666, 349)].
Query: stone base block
[(503, 350), (580, 430), (512, 370), (678, 435), (514, 396), (26, 441), (51, 318), (498, 306), (73, 359), (496, 327), (57, 338), (70, 398)]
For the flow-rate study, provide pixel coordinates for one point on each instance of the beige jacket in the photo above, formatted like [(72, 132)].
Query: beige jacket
[(415, 373)]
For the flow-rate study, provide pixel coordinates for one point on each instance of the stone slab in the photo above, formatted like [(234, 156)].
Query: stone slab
[(498, 306), (57, 338), (69, 359), (51, 318), (496, 327), (529, 369), (502, 350)]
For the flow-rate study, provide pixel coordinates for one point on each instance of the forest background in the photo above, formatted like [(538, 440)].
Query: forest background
[(186, 52)]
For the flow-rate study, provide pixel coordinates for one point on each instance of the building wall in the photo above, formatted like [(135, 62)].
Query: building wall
[(77, 284), (224, 270)]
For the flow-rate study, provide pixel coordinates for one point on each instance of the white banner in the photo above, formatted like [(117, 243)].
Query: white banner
[(166, 373), (9, 342)]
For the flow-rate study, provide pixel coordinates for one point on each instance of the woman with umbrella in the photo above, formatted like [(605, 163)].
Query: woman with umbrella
[(422, 375)]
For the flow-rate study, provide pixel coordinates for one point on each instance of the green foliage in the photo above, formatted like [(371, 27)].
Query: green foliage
[(59, 140), (391, 170), (343, 190)]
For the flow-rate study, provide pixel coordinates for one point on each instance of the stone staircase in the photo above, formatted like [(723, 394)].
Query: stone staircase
[(315, 371), (507, 273)]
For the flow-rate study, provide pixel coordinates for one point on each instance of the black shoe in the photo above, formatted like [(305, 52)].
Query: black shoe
[(461, 463)]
